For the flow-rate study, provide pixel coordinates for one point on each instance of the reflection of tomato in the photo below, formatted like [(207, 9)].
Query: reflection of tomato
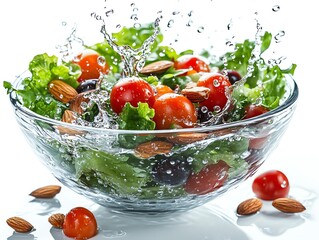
[(173, 110), (217, 83), (132, 90), (80, 223), (193, 63), (271, 185), (92, 65), (210, 178)]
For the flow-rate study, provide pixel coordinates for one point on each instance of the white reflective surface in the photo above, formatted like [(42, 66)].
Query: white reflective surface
[(30, 27)]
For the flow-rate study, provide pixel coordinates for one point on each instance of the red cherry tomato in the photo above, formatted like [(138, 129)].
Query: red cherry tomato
[(193, 63), (132, 90), (210, 178), (253, 110), (174, 110), (271, 185), (92, 65), (80, 223), (217, 83), (162, 89)]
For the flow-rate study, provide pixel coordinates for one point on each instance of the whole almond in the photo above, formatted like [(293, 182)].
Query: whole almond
[(288, 205), (46, 192), (75, 104), (152, 148), (249, 206), (187, 138), (19, 224), (62, 91), (57, 220), (156, 67), (196, 94)]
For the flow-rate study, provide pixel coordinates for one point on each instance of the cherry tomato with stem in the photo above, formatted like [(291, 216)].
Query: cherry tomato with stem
[(271, 185), (195, 64), (92, 65), (132, 90), (80, 223), (210, 178), (217, 83), (173, 110)]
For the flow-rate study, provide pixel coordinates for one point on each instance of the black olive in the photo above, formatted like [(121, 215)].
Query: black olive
[(171, 171), (87, 85)]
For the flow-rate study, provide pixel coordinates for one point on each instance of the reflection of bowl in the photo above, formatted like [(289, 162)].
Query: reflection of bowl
[(172, 170)]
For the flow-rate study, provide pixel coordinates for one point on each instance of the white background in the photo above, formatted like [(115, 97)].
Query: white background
[(31, 27)]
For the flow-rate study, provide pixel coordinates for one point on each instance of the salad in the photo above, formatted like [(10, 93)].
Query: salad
[(172, 90)]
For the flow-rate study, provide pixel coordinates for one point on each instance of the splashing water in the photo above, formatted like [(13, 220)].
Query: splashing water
[(133, 59)]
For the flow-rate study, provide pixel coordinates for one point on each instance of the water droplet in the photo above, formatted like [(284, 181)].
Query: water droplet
[(189, 23), (276, 8), (109, 13), (190, 13), (134, 17), (169, 171), (170, 23), (64, 23), (217, 109), (279, 36), (200, 29), (176, 12), (118, 26), (216, 83)]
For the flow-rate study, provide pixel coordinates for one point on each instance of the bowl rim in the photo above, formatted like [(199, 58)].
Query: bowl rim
[(288, 102)]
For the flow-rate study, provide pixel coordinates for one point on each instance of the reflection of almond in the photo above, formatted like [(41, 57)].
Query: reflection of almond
[(152, 148), (57, 220), (196, 94), (249, 206), (288, 205), (46, 192), (157, 67), (19, 224), (62, 91), (186, 138)]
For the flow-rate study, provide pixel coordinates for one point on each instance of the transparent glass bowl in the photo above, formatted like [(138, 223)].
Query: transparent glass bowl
[(171, 170)]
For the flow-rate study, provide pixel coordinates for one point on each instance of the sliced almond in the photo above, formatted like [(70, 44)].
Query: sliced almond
[(57, 220), (152, 148), (249, 206), (196, 94), (157, 67), (62, 91), (20, 225), (187, 138), (46, 192), (288, 205)]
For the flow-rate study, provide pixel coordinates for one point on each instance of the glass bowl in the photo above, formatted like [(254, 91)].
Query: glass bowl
[(171, 170)]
